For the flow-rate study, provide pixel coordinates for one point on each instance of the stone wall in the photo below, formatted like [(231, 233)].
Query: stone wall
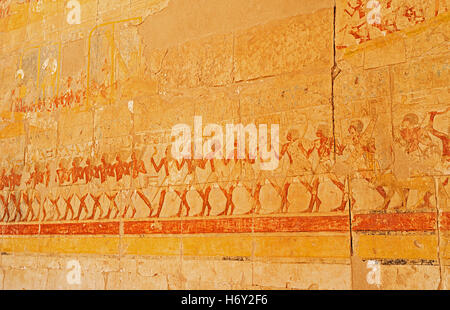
[(88, 185)]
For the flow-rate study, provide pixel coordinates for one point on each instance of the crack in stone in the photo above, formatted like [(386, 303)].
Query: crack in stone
[(438, 214), (334, 73)]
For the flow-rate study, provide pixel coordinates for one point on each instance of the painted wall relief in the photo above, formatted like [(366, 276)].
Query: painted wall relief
[(364, 20), (87, 134)]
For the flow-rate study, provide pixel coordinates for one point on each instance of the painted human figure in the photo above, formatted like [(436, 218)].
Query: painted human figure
[(97, 205), (68, 97), (4, 180), (388, 22), (414, 139), (27, 197), (82, 207), (19, 93), (89, 171), (183, 188), (162, 195), (167, 177), (413, 14), (164, 162), (140, 193), (63, 174), (40, 197), (322, 165), (36, 177), (106, 171), (255, 193), (15, 198), (445, 140), (121, 168), (231, 169), (184, 205), (126, 196), (229, 204), (137, 166), (283, 192), (76, 171), (419, 140), (356, 7), (185, 175), (40, 182), (287, 154), (67, 198), (4, 8), (14, 178), (47, 175), (204, 195), (4, 196), (81, 93), (138, 172), (362, 153), (54, 198), (112, 205), (4, 199), (49, 76), (68, 192)]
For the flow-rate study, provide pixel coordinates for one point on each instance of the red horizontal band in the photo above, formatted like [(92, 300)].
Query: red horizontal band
[(445, 221), (20, 229), (93, 228), (394, 222), (152, 227), (425, 221), (302, 224)]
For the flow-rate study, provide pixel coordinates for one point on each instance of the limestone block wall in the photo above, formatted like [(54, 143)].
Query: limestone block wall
[(91, 196)]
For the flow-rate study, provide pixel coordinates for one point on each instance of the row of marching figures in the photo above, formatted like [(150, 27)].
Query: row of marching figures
[(150, 182)]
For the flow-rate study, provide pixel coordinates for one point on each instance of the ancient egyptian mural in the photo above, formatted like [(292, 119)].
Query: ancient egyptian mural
[(90, 91)]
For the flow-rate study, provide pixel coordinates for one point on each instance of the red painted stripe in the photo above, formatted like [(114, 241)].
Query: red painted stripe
[(94, 228), (230, 225), (445, 221), (394, 222), (339, 223), (20, 229), (302, 224), (152, 227)]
